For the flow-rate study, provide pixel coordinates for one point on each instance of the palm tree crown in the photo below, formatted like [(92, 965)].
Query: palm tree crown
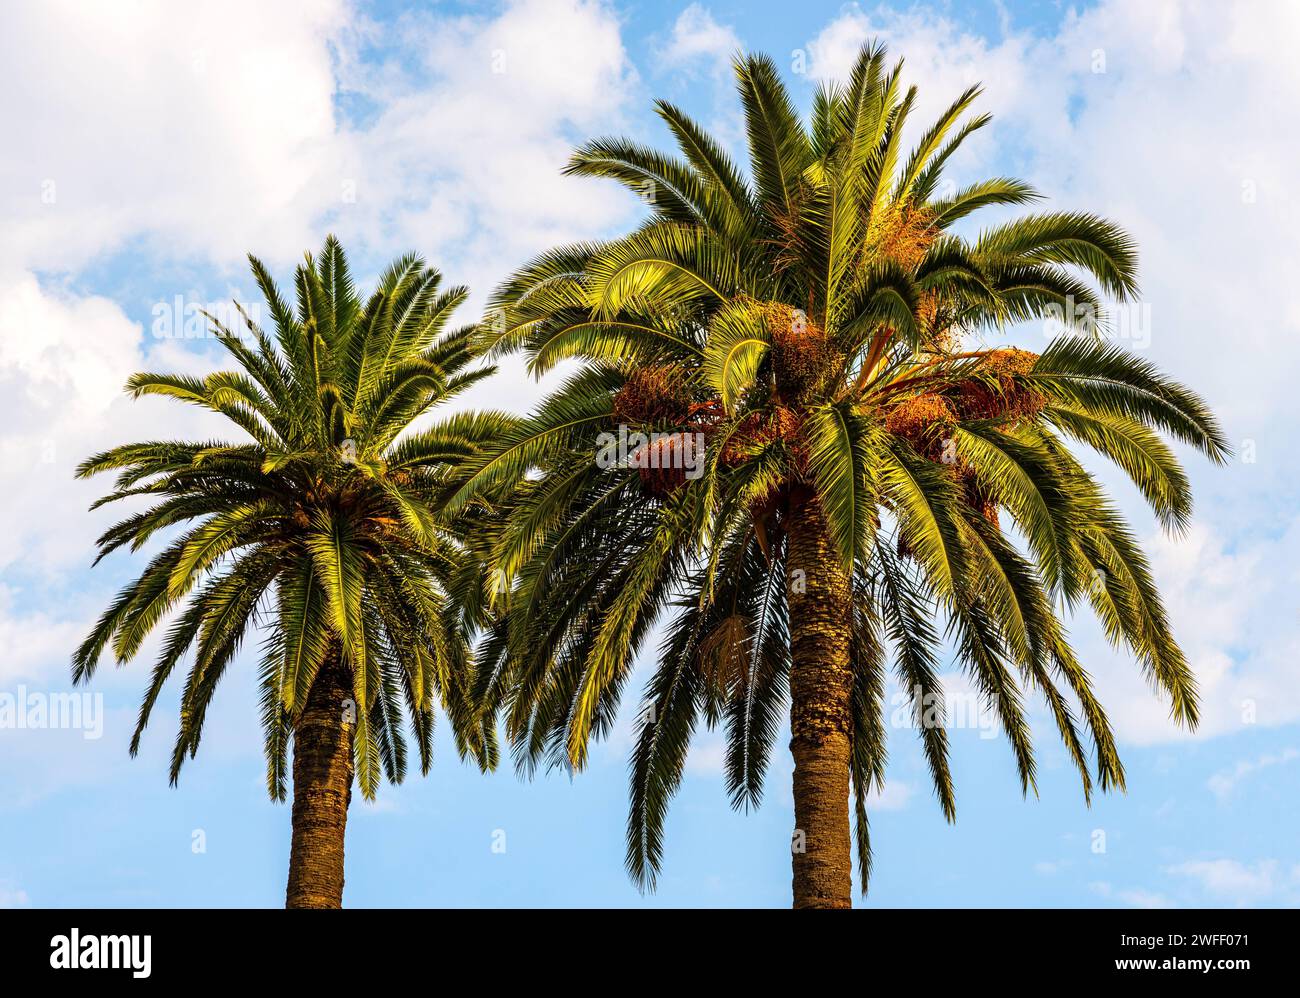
[(863, 465), (319, 523)]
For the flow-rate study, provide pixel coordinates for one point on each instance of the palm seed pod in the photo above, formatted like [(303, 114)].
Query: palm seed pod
[(925, 421), (994, 392), (662, 461), (757, 430), (653, 396), (902, 233)]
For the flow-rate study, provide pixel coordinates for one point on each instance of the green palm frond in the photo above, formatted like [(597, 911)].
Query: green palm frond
[(821, 320), (294, 526)]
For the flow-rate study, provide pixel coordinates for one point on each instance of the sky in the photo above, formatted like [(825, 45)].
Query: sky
[(151, 145)]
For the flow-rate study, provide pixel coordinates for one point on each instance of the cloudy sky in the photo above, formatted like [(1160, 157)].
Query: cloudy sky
[(151, 145)]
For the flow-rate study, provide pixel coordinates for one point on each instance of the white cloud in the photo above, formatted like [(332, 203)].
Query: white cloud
[(1237, 882), (1212, 77), (699, 50), (35, 642), (1137, 898), (894, 797), (195, 134), (1224, 782), (203, 128), (63, 362), (13, 897), (697, 40), (1232, 611), (1133, 897), (208, 130), (464, 159), (942, 60), (708, 756)]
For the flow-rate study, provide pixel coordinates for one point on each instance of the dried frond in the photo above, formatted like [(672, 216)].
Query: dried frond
[(724, 656)]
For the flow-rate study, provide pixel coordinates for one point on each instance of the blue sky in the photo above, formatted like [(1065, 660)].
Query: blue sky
[(161, 144)]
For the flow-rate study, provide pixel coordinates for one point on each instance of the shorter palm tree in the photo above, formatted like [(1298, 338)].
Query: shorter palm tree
[(319, 526)]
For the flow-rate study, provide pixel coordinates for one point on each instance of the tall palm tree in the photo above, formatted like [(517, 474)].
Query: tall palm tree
[(317, 525), (842, 473)]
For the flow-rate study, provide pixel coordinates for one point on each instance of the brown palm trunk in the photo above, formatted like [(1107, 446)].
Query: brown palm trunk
[(821, 688), (322, 790)]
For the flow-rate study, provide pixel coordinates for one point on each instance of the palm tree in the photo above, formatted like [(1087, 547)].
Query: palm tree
[(317, 524), (831, 466)]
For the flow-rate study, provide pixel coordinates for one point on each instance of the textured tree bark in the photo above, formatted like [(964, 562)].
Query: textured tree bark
[(821, 687), (322, 790)]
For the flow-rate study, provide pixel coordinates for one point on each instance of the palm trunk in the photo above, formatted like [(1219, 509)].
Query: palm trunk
[(322, 790), (821, 685)]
